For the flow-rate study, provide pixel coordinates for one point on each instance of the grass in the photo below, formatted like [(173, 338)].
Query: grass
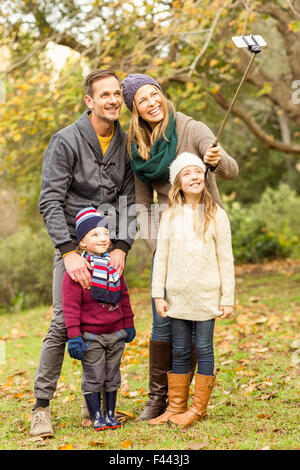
[(254, 405)]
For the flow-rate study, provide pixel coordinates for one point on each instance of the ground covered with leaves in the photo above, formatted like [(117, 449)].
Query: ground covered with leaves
[(254, 405)]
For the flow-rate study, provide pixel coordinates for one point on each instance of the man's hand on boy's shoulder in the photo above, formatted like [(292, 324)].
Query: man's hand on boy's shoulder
[(78, 269), (117, 259)]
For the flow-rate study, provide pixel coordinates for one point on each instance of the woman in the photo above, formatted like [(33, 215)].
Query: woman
[(157, 135)]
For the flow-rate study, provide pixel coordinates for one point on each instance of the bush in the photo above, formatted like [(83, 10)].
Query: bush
[(279, 212), (138, 265), (266, 230), (26, 260)]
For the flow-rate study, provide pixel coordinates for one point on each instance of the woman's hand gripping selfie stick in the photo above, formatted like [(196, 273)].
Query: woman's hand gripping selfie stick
[(254, 44)]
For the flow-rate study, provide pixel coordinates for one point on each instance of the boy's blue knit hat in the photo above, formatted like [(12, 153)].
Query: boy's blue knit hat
[(87, 219)]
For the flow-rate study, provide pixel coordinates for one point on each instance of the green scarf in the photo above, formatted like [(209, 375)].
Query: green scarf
[(156, 169)]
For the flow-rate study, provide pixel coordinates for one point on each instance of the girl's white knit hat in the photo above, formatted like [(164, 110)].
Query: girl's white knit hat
[(183, 160)]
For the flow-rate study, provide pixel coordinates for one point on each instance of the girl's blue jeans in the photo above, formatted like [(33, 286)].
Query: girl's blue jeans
[(184, 334)]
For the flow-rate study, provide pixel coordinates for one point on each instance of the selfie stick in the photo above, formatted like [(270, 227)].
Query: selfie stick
[(253, 43)]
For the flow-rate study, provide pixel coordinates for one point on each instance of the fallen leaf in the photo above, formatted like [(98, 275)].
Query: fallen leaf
[(61, 425), (35, 439), (68, 398), (66, 447), (41, 444), (126, 443), (268, 396), (97, 444), (259, 350), (18, 372), (198, 445), (260, 320), (15, 333), (8, 383), (72, 388), (249, 373), (228, 361), (295, 344), (125, 413), (86, 422)]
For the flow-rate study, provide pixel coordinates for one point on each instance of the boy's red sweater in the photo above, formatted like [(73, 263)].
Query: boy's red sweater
[(84, 313)]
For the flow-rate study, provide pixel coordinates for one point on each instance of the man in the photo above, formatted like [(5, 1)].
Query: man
[(84, 164)]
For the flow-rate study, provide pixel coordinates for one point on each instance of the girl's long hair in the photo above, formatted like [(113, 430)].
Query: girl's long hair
[(140, 131), (177, 200)]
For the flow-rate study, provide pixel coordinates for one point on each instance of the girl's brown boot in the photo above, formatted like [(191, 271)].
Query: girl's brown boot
[(203, 388), (178, 389)]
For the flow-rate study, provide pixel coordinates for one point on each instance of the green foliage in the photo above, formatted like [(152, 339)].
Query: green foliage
[(266, 230), (138, 265), (26, 260), (251, 244)]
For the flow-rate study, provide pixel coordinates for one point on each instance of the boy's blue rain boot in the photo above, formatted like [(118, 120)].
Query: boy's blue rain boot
[(93, 401), (111, 398)]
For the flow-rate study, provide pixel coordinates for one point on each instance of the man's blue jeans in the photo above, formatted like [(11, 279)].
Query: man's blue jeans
[(184, 334)]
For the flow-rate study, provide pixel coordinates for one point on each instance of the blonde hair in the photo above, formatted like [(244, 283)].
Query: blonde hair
[(177, 200), (141, 133)]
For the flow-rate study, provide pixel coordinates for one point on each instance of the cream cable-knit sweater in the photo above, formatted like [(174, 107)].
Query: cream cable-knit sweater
[(198, 275)]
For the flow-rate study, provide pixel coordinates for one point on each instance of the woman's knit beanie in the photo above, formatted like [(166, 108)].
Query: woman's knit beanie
[(183, 160), (87, 219), (132, 83)]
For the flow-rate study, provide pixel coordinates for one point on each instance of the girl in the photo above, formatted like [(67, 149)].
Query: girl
[(98, 320), (157, 135), (194, 263)]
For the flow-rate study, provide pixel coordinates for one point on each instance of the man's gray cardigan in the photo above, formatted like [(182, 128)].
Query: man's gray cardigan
[(76, 175)]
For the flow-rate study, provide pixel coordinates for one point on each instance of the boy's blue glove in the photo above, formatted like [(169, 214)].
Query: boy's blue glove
[(130, 334), (76, 347)]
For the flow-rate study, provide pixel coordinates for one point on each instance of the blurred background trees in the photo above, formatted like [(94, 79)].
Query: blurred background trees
[(46, 48)]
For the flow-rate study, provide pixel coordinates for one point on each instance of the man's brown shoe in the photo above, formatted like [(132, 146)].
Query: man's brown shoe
[(41, 425)]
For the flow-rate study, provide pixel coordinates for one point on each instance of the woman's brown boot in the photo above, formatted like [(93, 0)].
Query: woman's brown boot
[(203, 388), (178, 388), (160, 362)]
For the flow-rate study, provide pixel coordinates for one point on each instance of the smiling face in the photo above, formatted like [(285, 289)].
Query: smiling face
[(106, 100), (192, 181), (148, 101), (96, 241)]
